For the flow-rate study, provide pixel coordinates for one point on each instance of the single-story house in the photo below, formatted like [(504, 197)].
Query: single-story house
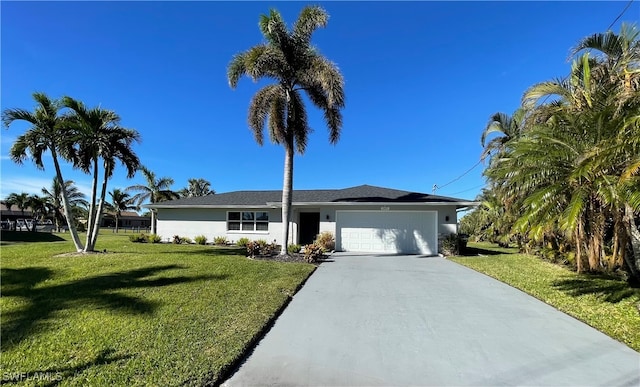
[(127, 219), (362, 219), (14, 213)]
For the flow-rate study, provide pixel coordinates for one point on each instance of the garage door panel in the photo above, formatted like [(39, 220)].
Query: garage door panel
[(387, 232)]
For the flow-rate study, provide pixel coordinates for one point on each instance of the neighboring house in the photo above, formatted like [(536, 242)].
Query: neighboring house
[(362, 219), (127, 219), (14, 213)]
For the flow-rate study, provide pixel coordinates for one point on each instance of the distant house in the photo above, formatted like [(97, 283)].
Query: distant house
[(14, 213), (127, 219), (363, 218)]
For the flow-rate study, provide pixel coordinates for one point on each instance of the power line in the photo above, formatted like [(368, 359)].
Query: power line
[(436, 187), (619, 16), (467, 190)]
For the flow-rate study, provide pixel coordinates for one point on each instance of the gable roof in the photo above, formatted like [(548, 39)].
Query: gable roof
[(359, 194)]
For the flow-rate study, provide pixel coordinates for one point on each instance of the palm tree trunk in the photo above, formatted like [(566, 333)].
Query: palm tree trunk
[(92, 205), (287, 189), (579, 237), (632, 230), (619, 239), (153, 221), (98, 216), (117, 218), (57, 219), (65, 204)]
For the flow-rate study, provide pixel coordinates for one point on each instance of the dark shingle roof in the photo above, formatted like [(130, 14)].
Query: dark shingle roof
[(359, 194)]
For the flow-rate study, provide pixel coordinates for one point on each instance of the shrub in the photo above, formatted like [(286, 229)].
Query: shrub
[(313, 252), (201, 239), (261, 247), (253, 248), (179, 240), (453, 244), (242, 242), (292, 249), (154, 238), (326, 241), (220, 240), (139, 238), (80, 227)]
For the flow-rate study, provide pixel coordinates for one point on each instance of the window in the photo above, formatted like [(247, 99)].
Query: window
[(247, 221)]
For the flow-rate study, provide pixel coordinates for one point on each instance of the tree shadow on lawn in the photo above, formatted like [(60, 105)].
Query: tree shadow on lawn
[(206, 251), (13, 237), (216, 251), (604, 287), (45, 301), (477, 251)]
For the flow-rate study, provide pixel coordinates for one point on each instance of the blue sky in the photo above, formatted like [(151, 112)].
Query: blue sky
[(421, 80)]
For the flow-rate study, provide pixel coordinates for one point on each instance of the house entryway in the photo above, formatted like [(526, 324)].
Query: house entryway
[(309, 227)]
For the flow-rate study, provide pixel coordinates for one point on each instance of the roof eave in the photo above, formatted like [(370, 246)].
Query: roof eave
[(312, 204)]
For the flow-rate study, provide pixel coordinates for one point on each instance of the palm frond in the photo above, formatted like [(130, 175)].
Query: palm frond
[(260, 108), (310, 19)]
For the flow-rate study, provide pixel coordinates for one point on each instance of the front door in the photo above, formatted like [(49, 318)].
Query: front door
[(309, 227)]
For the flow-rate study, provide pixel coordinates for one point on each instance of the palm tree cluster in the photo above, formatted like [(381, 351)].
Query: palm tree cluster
[(196, 187), (91, 139), (155, 190), (49, 205), (566, 166)]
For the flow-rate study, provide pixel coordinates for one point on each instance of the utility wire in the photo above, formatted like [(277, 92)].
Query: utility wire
[(436, 187), (619, 16), (466, 190)]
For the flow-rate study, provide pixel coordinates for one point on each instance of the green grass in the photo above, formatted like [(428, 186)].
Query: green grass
[(605, 303), (142, 314)]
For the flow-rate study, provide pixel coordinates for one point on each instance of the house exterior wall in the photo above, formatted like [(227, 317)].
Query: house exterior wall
[(191, 222), (212, 223)]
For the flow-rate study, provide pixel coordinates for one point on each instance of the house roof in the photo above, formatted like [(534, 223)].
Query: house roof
[(124, 214), (14, 210), (360, 194)]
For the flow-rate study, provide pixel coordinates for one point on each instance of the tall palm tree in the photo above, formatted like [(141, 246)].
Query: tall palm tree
[(295, 65), (197, 187), (53, 195), (47, 133), (40, 208), (156, 190), (101, 142), (120, 201)]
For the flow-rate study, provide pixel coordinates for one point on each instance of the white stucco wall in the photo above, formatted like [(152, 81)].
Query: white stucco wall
[(191, 222), (211, 223)]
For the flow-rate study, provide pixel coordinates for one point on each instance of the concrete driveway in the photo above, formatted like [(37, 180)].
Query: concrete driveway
[(409, 320)]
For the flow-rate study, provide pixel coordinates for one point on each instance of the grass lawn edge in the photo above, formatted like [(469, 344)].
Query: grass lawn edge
[(558, 306), (231, 368)]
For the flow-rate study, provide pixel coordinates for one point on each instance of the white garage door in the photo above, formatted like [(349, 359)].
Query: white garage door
[(406, 232)]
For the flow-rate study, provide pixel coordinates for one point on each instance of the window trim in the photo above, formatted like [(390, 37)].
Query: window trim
[(255, 221)]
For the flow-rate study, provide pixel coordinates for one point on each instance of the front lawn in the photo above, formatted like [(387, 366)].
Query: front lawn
[(605, 303), (140, 314)]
